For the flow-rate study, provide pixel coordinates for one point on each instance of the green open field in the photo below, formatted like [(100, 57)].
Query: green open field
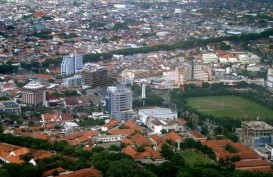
[(194, 158), (230, 106)]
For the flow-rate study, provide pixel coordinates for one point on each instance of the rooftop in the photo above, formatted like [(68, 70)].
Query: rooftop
[(33, 85), (257, 125)]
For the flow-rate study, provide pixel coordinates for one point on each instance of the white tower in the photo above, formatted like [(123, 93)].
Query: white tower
[(143, 93)]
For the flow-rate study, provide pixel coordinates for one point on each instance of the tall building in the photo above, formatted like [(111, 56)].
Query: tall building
[(192, 71), (95, 76), (33, 93), (71, 64), (119, 102), (256, 133)]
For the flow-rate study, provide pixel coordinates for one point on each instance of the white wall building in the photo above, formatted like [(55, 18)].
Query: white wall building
[(210, 58), (157, 113), (71, 64), (73, 81), (249, 58)]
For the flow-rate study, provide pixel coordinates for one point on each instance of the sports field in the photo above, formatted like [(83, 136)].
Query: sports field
[(195, 158), (230, 106)]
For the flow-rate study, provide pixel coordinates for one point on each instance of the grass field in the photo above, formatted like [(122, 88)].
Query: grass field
[(194, 158), (230, 106)]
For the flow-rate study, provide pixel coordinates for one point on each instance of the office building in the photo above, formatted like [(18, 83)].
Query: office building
[(71, 64), (256, 133), (192, 71), (95, 76), (75, 81), (33, 93), (119, 102)]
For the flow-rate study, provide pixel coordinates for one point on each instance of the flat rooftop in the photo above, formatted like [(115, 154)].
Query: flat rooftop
[(257, 125)]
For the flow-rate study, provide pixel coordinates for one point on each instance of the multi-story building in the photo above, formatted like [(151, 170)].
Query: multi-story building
[(119, 102), (249, 58), (182, 74), (33, 93), (73, 81), (71, 64), (210, 58), (95, 76), (192, 71), (256, 133)]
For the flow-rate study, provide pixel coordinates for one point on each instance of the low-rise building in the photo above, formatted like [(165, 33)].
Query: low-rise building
[(168, 125), (73, 81), (156, 113)]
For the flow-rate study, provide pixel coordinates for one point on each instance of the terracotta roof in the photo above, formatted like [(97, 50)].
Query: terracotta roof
[(121, 132), (21, 151), (140, 140), (10, 158), (132, 125), (127, 141), (49, 117), (66, 117), (154, 154), (251, 163), (129, 150), (50, 172), (218, 147), (172, 136), (40, 136), (44, 76), (259, 169), (156, 138), (197, 135), (111, 124), (87, 172)]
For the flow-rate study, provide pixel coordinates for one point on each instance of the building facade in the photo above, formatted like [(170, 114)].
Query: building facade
[(73, 81), (256, 133), (33, 93), (95, 76), (71, 64), (119, 102)]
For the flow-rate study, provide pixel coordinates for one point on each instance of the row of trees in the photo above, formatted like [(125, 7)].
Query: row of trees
[(245, 38)]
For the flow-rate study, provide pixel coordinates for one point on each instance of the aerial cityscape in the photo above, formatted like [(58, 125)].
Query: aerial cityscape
[(136, 88)]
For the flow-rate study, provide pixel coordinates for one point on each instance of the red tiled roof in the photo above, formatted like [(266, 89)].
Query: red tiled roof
[(129, 150), (156, 138), (66, 117), (40, 136), (127, 141), (87, 172), (21, 151), (251, 163), (44, 76), (111, 124), (132, 125), (50, 172), (121, 132), (197, 135), (140, 140), (10, 158), (172, 136)]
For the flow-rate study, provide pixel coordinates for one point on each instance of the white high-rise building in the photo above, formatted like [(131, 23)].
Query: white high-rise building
[(119, 102), (71, 64)]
